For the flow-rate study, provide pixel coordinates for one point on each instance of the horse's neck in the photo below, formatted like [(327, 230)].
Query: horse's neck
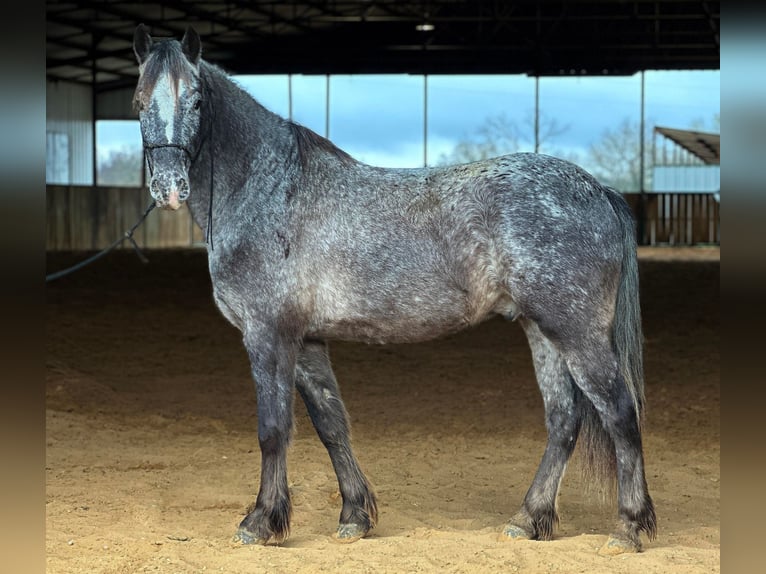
[(246, 144)]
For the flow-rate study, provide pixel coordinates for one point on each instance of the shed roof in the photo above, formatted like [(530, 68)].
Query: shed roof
[(704, 145)]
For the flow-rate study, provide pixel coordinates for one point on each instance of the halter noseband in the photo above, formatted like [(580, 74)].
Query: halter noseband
[(149, 147)]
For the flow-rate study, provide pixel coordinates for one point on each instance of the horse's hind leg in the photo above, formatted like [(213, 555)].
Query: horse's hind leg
[(593, 364), (317, 386), (537, 516)]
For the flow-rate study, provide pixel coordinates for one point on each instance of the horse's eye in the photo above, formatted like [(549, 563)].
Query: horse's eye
[(198, 104)]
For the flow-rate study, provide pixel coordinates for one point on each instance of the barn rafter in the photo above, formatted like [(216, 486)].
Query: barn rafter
[(89, 41)]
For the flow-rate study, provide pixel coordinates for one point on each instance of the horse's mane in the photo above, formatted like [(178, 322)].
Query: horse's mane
[(308, 142)]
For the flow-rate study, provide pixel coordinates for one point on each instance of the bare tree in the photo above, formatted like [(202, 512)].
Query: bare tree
[(615, 159), (548, 130), (121, 168), (498, 135), (701, 125)]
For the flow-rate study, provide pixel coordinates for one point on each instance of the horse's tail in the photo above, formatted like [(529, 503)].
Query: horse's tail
[(627, 334), (627, 342)]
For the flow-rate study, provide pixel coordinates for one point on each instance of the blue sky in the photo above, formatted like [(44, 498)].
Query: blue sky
[(379, 118)]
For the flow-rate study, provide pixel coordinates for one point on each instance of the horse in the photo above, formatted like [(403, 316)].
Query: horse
[(307, 245)]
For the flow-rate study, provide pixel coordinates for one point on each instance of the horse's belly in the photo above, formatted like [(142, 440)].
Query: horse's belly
[(381, 329), (403, 291), (402, 316)]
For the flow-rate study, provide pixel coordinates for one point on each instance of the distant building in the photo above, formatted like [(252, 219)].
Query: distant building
[(686, 161)]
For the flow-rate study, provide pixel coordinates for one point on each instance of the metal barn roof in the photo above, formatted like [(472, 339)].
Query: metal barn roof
[(704, 145), (90, 41)]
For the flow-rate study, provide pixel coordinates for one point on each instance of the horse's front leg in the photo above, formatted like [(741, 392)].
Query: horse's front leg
[(272, 358)]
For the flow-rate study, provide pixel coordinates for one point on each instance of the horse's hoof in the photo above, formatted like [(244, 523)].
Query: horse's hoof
[(615, 546), (514, 532), (348, 533), (244, 537)]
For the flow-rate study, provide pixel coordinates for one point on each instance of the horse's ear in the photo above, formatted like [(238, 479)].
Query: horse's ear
[(191, 45), (142, 42)]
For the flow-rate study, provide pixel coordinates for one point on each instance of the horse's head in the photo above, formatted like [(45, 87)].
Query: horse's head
[(170, 102)]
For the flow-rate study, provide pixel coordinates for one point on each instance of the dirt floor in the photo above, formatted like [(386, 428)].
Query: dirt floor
[(152, 453)]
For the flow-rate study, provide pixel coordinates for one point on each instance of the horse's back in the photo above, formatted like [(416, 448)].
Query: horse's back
[(536, 213)]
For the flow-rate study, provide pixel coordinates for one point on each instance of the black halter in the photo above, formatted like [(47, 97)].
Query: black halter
[(148, 147)]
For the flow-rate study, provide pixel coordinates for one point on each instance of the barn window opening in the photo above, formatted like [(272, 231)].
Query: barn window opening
[(119, 156)]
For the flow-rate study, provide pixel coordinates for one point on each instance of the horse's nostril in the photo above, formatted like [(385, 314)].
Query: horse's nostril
[(183, 187)]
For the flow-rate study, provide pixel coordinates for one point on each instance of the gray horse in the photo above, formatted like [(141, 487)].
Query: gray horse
[(306, 244)]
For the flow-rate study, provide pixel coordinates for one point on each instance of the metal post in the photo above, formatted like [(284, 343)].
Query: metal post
[(641, 223), (641, 159), (327, 107), (537, 114), (94, 113), (290, 97), (425, 120)]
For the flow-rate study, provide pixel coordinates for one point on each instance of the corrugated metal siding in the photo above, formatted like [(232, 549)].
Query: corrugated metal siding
[(69, 112), (687, 178), (116, 105)]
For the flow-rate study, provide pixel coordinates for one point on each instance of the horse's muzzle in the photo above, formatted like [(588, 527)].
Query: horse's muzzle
[(169, 190)]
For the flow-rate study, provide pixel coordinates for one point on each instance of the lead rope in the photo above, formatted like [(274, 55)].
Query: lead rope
[(209, 229), (127, 235)]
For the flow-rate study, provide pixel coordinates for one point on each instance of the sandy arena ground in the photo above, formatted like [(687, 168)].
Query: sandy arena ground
[(152, 452)]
